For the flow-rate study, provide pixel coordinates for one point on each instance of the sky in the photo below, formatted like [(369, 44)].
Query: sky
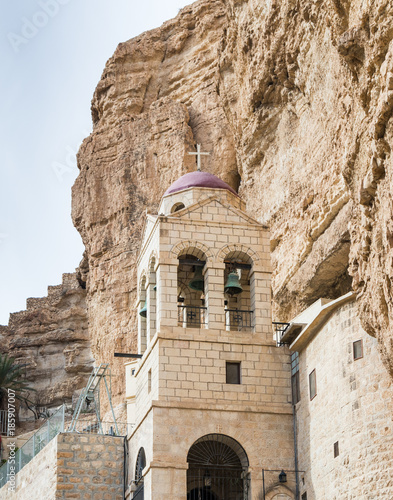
[(52, 53)]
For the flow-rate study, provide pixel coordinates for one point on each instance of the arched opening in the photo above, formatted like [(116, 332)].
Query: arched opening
[(138, 478), (279, 492), (140, 465), (217, 469), (176, 207), (142, 315), (191, 289), (239, 291)]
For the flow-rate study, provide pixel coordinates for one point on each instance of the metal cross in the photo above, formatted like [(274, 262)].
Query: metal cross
[(198, 155)]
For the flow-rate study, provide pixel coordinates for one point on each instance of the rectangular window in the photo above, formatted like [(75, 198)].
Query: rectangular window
[(149, 381), (295, 377), (335, 449), (312, 378), (357, 349), (232, 373)]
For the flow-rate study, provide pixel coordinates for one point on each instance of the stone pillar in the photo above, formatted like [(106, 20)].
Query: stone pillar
[(261, 302), (214, 295), (167, 481), (151, 309), (141, 325), (166, 301)]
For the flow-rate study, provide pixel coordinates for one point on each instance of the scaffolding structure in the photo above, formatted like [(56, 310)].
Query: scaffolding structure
[(90, 397)]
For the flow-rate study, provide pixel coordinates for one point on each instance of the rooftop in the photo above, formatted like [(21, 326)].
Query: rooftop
[(198, 179)]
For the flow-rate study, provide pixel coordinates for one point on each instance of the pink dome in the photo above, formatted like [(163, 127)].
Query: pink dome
[(198, 179)]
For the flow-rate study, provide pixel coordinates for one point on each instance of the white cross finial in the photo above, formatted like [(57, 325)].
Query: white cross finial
[(198, 155)]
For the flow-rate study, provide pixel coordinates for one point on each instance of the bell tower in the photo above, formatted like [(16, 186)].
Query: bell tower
[(210, 396)]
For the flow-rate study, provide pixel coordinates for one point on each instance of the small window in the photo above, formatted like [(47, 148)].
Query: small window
[(149, 381), (140, 465), (295, 381), (357, 349), (312, 378), (176, 207), (304, 496), (232, 373), (336, 450)]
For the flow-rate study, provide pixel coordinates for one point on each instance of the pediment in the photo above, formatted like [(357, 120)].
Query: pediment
[(213, 209)]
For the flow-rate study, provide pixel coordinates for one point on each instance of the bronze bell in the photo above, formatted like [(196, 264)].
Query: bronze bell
[(197, 282), (143, 311), (233, 286)]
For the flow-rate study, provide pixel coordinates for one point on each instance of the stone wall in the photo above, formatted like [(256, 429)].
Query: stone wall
[(79, 466), (353, 406), (144, 396), (265, 435), (90, 467), (191, 367), (43, 467), (194, 370), (189, 397)]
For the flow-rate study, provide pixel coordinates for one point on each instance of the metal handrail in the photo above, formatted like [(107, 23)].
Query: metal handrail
[(279, 329), (104, 428), (191, 316), (238, 319), (50, 429)]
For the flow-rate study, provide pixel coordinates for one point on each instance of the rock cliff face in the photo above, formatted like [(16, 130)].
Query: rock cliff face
[(51, 338), (294, 100)]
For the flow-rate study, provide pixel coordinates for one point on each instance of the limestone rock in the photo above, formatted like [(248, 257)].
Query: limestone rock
[(294, 101), (51, 338)]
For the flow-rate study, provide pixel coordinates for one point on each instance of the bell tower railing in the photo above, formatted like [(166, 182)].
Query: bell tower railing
[(192, 316), (238, 320)]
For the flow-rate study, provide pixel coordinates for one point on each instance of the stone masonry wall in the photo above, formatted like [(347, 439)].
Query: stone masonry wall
[(354, 406), (195, 370), (79, 466), (144, 394), (266, 437), (43, 466), (90, 467), (184, 369)]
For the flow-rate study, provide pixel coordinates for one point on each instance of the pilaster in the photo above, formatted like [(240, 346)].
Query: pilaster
[(166, 293), (214, 295)]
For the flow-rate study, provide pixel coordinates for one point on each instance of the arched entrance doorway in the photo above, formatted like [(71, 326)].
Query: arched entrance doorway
[(217, 469)]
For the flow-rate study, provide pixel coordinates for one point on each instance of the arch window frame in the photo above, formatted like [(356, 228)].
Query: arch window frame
[(140, 464), (240, 310), (191, 310), (217, 468), (177, 206)]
